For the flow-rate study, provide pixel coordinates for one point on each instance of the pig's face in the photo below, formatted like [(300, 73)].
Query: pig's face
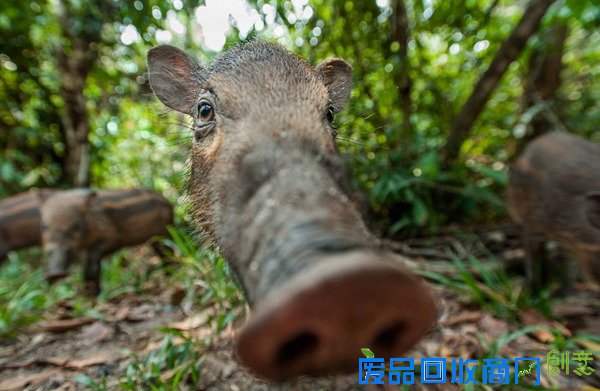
[(63, 226), (269, 184), (252, 106)]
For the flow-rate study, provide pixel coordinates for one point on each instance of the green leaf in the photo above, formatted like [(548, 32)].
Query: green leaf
[(400, 224), (500, 177), (85, 380), (420, 212), (577, 7), (429, 165), (367, 353)]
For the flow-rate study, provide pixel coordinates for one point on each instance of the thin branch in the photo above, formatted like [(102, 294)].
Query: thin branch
[(507, 54)]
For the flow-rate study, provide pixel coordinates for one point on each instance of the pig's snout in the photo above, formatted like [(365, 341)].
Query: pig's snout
[(317, 322), (58, 263)]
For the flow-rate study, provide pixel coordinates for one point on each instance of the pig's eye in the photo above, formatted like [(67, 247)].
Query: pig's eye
[(206, 112), (329, 114)]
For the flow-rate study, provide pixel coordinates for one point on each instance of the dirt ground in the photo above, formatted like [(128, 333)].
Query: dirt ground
[(48, 355)]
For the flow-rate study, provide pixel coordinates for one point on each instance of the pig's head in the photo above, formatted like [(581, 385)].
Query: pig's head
[(255, 101), (63, 225), (269, 185)]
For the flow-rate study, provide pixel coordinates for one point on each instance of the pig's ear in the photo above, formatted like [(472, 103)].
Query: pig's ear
[(174, 77), (337, 76), (592, 208)]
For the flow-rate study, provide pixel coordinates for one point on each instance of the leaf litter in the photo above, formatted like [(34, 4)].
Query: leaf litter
[(51, 354)]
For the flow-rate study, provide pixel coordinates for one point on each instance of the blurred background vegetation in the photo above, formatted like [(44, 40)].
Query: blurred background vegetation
[(424, 141)]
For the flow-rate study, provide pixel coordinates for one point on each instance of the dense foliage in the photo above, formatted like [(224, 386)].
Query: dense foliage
[(73, 72)]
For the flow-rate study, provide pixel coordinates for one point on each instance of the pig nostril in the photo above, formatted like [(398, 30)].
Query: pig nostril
[(303, 343), (388, 336)]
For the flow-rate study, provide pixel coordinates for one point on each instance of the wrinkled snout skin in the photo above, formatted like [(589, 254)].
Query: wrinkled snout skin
[(554, 191), (90, 224), (20, 221), (269, 186)]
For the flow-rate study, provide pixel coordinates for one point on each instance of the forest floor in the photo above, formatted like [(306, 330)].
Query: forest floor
[(159, 328)]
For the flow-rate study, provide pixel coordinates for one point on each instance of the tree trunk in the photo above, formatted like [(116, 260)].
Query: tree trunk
[(543, 79), (508, 52), (77, 128), (74, 68), (403, 83)]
